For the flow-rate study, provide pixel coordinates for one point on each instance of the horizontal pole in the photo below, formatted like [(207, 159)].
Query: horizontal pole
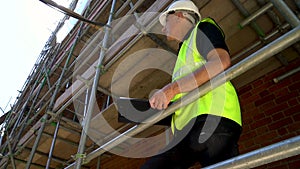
[(256, 14), (265, 155), (290, 73)]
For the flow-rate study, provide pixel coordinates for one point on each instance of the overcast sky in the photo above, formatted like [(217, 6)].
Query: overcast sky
[(25, 27)]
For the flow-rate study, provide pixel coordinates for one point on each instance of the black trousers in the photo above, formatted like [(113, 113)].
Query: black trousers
[(206, 139)]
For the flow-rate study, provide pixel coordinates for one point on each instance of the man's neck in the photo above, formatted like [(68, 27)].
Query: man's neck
[(186, 30)]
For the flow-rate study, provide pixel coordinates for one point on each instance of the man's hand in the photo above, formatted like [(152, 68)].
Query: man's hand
[(162, 97)]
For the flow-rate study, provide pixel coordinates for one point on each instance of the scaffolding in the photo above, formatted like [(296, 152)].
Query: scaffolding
[(70, 78)]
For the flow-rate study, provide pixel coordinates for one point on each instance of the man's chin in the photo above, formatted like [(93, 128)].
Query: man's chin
[(170, 38)]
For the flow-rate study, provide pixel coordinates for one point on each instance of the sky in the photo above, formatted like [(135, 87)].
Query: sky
[(25, 27)]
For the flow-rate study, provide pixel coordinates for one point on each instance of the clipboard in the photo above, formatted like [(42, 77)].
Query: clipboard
[(134, 110)]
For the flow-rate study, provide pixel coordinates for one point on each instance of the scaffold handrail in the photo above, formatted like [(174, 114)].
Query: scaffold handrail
[(275, 152)]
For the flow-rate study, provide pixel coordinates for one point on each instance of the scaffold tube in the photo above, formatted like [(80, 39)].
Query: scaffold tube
[(92, 99), (265, 155)]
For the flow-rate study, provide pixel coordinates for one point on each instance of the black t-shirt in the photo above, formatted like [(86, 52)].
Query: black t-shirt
[(209, 36)]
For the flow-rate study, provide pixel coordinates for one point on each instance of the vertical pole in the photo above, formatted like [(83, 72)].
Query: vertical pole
[(286, 12), (98, 163), (37, 140), (51, 104), (81, 146), (245, 13), (16, 123), (57, 88), (92, 99), (21, 130), (53, 144), (11, 155)]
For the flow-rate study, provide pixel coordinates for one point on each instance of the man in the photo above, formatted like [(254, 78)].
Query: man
[(208, 129)]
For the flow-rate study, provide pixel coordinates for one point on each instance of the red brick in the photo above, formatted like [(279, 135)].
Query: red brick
[(244, 89), (267, 106), (282, 84), (295, 77), (260, 123), (277, 116), (246, 127), (284, 137), (294, 64), (293, 127), (253, 112), (297, 117), (262, 167), (293, 102), (264, 93), (266, 138), (247, 120), (277, 108), (245, 95), (249, 146), (257, 83), (248, 135), (262, 129), (281, 123), (249, 107), (286, 97), (264, 100), (280, 166), (292, 110), (246, 145), (282, 131), (281, 92), (261, 88), (250, 99), (294, 86), (259, 116), (270, 76), (295, 163)]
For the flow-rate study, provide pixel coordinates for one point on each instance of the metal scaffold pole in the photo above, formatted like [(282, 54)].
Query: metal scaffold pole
[(32, 97), (92, 99), (274, 152), (56, 91), (45, 116)]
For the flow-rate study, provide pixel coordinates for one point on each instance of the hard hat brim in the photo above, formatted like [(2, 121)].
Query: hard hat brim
[(163, 17)]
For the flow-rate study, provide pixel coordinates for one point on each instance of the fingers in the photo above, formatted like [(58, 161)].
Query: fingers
[(159, 101), (152, 102)]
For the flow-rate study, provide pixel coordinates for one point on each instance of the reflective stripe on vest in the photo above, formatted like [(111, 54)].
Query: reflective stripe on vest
[(222, 101)]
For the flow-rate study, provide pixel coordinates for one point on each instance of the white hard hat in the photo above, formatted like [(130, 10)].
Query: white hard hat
[(181, 5)]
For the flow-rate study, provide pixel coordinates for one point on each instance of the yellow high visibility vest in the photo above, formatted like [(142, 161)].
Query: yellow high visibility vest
[(221, 101)]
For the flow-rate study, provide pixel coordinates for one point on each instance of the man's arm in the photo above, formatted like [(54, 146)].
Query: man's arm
[(217, 61)]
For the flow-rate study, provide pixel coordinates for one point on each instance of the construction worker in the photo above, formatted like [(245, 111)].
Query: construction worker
[(208, 129)]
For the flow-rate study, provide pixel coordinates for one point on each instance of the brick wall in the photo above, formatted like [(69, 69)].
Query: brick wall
[(118, 162), (271, 113)]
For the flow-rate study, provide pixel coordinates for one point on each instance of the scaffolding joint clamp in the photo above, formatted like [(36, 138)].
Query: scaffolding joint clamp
[(102, 68), (103, 48), (79, 156), (51, 113)]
